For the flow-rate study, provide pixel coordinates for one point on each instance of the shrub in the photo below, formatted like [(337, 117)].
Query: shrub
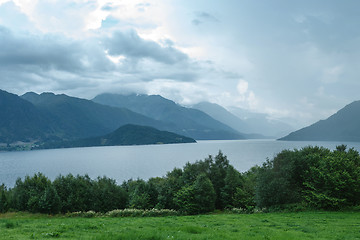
[(141, 213), (85, 214)]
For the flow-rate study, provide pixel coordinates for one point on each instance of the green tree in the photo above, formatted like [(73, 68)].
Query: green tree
[(230, 192), (4, 202), (76, 193), (218, 169), (334, 181), (245, 196), (280, 180), (35, 194), (171, 184), (49, 201), (198, 197), (108, 195), (142, 195)]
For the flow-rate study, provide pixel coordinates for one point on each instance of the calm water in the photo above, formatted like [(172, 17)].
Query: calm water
[(125, 162)]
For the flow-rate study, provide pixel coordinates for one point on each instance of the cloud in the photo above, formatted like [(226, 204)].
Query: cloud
[(131, 45), (203, 17), (242, 87), (50, 62), (332, 75), (50, 52)]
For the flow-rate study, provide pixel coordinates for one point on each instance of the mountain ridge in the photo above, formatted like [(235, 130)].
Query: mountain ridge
[(341, 126), (191, 122)]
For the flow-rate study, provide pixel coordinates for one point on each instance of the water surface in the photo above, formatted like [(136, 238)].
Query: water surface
[(125, 162)]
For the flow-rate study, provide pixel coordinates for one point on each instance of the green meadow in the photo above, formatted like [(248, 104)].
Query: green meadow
[(301, 225)]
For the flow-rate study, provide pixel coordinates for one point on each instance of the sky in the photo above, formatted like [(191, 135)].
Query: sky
[(296, 61)]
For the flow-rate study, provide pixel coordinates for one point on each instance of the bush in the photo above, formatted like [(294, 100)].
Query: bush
[(141, 213), (87, 214)]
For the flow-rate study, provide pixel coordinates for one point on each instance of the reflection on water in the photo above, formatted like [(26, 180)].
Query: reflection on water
[(125, 162)]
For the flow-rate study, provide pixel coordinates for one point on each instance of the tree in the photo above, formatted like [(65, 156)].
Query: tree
[(76, 193), (334, 181), (4, 203), (142, 195), (233, 184), (218, 169), (198, 197), (49, 201), (167, 189), (108, 195), (280, 180), (28, 194)]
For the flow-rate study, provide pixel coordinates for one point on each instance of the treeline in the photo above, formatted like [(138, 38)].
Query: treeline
[(313, 177)]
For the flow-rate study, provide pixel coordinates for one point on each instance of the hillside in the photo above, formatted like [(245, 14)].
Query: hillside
[(81, 118), (22, 121), (126, 135), (186, 121), (341, 126), (221, 114)]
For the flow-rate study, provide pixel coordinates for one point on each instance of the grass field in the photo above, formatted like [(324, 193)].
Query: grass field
[(303, 225)]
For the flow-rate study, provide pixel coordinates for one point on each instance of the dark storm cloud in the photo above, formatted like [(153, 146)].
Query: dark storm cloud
[(131, 45), (49, 52)]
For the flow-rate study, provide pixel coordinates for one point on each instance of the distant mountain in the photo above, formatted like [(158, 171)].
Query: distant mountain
[(341, 126), (186, 121), (79, 118), (221, 114), (126, 135), (261, 124), (22, 121)]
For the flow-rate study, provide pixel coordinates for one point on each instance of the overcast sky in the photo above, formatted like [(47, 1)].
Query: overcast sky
[(294, 60)]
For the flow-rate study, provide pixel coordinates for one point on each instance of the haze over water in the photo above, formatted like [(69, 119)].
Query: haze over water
[(125, 162)]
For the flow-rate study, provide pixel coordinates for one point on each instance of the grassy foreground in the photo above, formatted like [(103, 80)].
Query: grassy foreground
[(303, 225)]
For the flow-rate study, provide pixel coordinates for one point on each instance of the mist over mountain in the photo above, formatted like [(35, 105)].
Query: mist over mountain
[(254, 125), (187, 121), (261, 123), (341, 126)]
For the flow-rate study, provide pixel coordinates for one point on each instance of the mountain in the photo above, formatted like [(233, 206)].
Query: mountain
[(341, 126), (253, 125), (221, 114), (186, 121), (126, 135), (260, 123), (80, 118), (22, 121)]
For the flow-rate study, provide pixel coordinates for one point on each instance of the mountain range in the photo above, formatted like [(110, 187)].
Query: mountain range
[(252, 125), (341, 126), (51, 118), (185, 121), (48, 117), (75, 118)]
